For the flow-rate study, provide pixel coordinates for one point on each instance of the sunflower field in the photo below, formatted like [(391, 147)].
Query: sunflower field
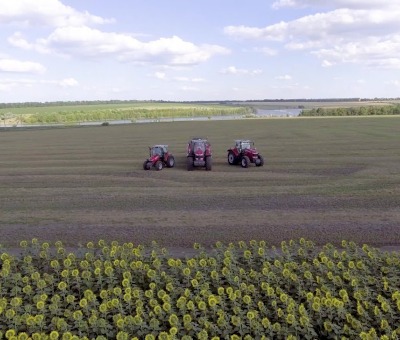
[(245, 290)]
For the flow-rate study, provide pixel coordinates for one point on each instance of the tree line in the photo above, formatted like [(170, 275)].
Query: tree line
[(376, 110)]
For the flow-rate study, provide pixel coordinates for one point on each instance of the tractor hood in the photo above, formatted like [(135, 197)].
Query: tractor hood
[(251, 151), (154, 158)]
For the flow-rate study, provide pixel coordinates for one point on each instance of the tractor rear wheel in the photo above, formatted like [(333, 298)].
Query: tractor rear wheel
[(146, 165), (231, 158), (208, 163), (260, 161), (158, 165), (245, 162), (189, 163), (170, 161)]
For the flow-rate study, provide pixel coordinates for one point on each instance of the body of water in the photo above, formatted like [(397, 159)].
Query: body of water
[(279, 113)]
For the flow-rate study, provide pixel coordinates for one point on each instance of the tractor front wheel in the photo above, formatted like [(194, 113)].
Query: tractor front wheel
[(245, 162), (189, 163), (146, 165), (158, 165), (260, 161), (171, 162), (208, 163), (231, 158)]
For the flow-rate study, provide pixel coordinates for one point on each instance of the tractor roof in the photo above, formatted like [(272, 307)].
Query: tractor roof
[(242, 141), (198, 139), (160, 146)]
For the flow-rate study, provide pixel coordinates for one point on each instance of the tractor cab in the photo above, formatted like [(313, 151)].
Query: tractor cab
[(158, 150), (199, 147), (243, 145)]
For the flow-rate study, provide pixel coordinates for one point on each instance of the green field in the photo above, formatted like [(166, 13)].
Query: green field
[(77, 113), (43, 109), (325, 179), (73, 113), (313, 104)]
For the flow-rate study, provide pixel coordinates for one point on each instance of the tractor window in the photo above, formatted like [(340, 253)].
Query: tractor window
[(156, 151), (246, 145), (197, 146)]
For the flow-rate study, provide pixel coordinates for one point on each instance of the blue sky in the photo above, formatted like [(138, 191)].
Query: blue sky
[(184, 50)]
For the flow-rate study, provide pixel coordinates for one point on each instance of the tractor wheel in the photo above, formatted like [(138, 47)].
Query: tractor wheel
[(158, 165), (146, 165), (171, 162), (260, 161), (189, 163), (231, 158), (245, 162), (208, 163)]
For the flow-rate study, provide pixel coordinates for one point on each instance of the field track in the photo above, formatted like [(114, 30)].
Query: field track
[(325, 179)]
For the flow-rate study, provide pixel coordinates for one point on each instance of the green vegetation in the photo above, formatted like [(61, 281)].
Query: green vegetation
[(89, 111), (84, 112), (375, 110), (243, 290), (308, 104)]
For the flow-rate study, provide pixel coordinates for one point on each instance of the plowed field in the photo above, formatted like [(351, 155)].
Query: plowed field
[(325, 179)]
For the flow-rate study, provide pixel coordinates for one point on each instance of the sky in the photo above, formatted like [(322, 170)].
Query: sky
[(190, 50)]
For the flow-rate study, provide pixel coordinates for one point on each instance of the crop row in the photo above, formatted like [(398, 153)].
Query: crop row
[(233, 291)]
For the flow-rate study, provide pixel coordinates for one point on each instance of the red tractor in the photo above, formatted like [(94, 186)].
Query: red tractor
[(199, 154), (159, 158), (244, 153)]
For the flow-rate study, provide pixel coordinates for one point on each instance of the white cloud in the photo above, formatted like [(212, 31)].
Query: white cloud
[(197, 80), (45, 13), (367, 34), (86, 42), (160, 75), (366, 4), (236, 71), (340, 23), (326, 63), (304, 45), (395, 83), (163, 76), (28, 82), (9, 85), (267, 51), (284, 77), (283, 3), (116, 90), (17, 40), (68, 82), (18, 66), (274, 32), (287, 86), (189, 88), (187, 79), (371, 52)]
